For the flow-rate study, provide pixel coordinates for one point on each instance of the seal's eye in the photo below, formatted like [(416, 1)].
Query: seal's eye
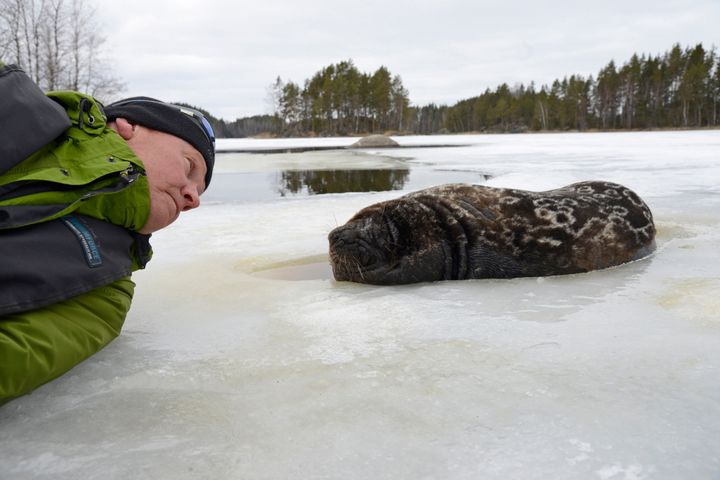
[(387, 235), (393, 231)]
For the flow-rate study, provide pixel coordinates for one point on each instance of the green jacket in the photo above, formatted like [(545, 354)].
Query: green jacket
[(89, 172)]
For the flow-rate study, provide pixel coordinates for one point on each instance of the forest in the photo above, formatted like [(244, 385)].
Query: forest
[(337, 100), (677, 89)]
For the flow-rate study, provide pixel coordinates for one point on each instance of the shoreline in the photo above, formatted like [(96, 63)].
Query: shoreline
[(479, 132)]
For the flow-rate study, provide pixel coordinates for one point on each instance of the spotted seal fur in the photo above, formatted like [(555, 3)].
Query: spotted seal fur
[(462, 231)]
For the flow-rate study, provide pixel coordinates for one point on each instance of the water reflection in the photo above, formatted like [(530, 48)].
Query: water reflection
[(269, 186), (318, 182)]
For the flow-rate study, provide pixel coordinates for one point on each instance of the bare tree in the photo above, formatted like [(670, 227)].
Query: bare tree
[(58, 44), (54, 49), (273, 96)]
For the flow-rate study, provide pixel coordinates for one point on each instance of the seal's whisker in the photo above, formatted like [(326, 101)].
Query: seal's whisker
[(359, 268)]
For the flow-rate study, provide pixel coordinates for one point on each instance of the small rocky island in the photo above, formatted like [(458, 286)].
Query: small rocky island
[(375, 141), (369, 141)]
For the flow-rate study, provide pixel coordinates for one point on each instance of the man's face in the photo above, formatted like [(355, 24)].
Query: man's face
[(175, 172)]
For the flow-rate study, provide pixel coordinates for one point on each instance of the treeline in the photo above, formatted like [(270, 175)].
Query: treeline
[(341, 100), (240, 128), (245, 127), (680, 88)]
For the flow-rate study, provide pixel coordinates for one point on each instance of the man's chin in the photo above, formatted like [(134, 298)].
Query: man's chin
[(147, 230), (155, 224)]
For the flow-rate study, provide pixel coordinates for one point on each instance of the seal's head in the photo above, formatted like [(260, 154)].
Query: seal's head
[(388, 243)]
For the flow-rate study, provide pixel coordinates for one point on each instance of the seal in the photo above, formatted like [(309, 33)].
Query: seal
[(462, 231)]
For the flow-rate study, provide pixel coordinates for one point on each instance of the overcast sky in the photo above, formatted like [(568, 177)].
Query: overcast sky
[(222, 55)]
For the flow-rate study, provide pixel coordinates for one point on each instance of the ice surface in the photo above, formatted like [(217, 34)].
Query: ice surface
[(242, 358)]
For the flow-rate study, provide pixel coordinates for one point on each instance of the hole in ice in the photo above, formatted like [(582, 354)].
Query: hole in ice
[(271, 185), (316, 267)]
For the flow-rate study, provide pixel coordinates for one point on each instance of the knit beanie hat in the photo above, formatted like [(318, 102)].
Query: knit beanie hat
[(182, 122)]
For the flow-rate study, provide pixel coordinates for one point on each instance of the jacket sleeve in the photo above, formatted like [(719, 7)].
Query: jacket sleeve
[(29, 119), (39, 345)]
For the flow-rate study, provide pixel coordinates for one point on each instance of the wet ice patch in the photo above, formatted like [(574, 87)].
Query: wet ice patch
[(630, 472), (314, 267)]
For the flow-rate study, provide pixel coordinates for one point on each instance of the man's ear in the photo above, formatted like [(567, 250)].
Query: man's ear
[(124, 128)]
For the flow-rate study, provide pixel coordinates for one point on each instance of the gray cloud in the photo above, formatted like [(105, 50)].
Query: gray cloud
[(222, 55)]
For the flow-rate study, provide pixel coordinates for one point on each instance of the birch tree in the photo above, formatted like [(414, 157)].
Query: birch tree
[(58, 44)]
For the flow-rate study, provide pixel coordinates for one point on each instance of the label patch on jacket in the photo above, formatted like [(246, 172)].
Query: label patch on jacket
[(86, 239)]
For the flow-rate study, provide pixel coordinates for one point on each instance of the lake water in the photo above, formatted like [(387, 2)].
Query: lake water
[(243, 358), (248, 178)]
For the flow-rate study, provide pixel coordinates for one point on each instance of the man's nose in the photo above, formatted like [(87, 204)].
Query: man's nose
[(191, 198)]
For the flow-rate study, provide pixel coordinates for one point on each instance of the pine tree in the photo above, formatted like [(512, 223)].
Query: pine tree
[(679, 88)]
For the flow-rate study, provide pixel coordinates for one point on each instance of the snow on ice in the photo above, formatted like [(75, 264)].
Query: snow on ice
[(242, 358)]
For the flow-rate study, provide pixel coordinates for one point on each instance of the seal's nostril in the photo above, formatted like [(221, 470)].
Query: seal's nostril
[(336, 237), (341, 236), (350, 235)]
